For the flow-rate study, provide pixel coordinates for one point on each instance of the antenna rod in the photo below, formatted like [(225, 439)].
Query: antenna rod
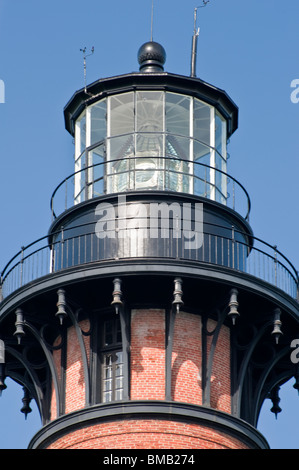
[(195, 40), (84, 61), (152, 20), (194, 46)]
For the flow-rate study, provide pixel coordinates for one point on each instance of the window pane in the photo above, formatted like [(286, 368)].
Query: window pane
[(111, 361), (112, 379), (201, 122), (82, 134), (98, 122), (121, 118), (79, 179), (150, 111), (119, 376), (96, 173), (178, 114), (119, 359), (220, 135), (178, 147), (150, 145), (108, 332), (107, 397), (118, 331), (120, 149), (178, 176), (220, 158)]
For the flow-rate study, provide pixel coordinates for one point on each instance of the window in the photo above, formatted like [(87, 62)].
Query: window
[(151, 140), (98, 122), (111, 361), (121, 114)]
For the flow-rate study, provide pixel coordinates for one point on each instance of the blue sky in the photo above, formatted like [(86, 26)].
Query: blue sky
[(249, 49)]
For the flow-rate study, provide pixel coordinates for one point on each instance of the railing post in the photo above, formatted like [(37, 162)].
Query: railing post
[(275, 264), (234, 197), (65, 196), (21, 266), (233, 246), (62, 246), (52, 256), (52, 209)]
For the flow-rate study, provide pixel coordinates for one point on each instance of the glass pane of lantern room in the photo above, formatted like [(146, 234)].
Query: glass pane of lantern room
[(177, 114), (150, 111), (148, 171), (96, 172), (98, 122), (202, 160), (220, 158), (201, 122), (80, 162), (121, 114), (82, 134), (178, 165), (150, 140), (121, 151), (220, 138), (178, 124)]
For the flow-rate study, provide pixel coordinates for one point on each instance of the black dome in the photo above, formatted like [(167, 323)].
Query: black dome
[(151, 57)]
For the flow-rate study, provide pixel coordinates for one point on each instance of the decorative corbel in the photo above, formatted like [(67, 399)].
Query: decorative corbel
[(276, 325), (274, 396), (2, 367), (296, 376), (61, 313), (117, 295), (26, 402), (233, 306), (19, 333), (177, 294)]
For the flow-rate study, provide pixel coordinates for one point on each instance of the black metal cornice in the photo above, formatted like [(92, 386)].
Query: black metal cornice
[(149, 409), (151, 81)]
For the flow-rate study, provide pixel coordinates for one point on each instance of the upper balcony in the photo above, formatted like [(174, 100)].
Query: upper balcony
[(168, 174), (158, 138), (189, 240)]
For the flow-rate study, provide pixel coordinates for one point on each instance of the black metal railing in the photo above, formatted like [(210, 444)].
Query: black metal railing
[(80, 245), (176, 175)]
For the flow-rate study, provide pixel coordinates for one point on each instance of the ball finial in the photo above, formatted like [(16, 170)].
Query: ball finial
[(151, 57)]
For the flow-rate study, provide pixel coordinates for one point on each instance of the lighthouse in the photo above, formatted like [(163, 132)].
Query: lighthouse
[(149, 316)]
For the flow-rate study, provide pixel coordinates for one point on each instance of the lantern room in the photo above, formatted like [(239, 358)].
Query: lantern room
[(168, 134)]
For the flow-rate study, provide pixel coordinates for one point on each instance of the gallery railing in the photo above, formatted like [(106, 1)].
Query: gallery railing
[(150, 173), (81, 246)]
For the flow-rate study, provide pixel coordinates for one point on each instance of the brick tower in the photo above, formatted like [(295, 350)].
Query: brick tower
[(149, 316)]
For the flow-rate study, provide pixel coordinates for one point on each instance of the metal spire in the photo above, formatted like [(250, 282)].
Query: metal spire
[(84, 61), (194, 39), (152, 20)]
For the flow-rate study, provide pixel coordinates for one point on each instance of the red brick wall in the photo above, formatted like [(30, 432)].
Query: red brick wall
[(75, 383), (147, 434), (220, 382), (221, 393), (186, 359), (148, 354), (148, 383)]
